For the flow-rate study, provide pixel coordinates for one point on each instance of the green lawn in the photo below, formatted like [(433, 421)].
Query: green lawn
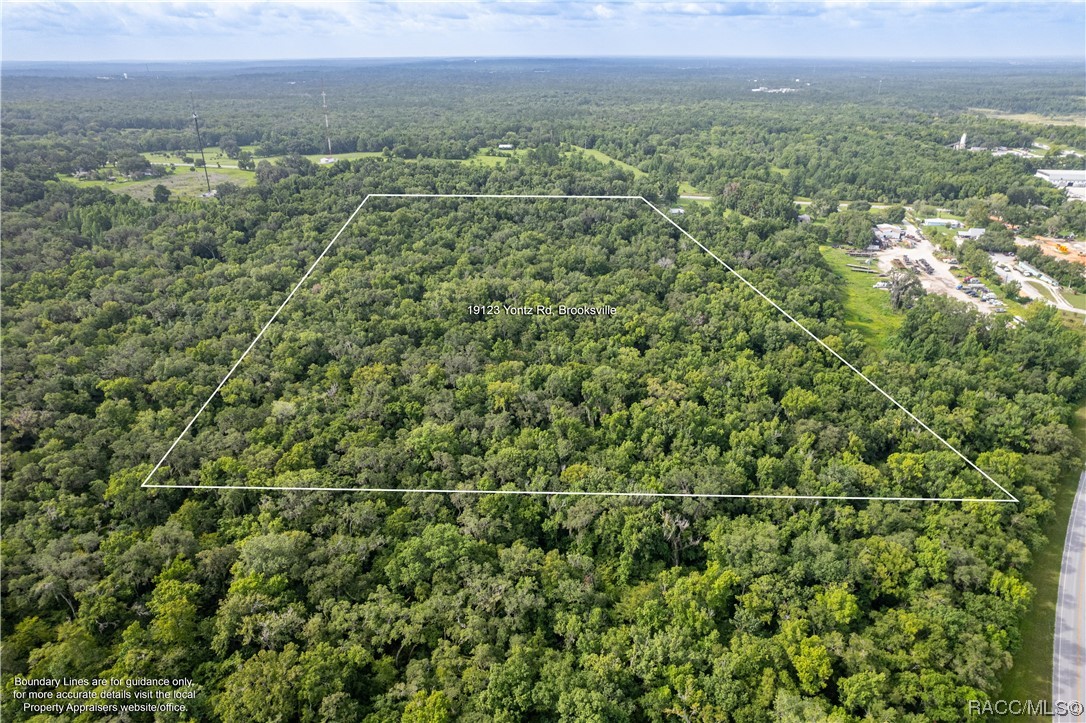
[(1069, 318), (487, 156), (212, 153), (685, 189), (941, 236), (492, 159), (866, 309), (1076, 300), (1031, 676), (184, 182), (605, 159), (943, 213), (1035, 118), (315, 157), (1044, 291)]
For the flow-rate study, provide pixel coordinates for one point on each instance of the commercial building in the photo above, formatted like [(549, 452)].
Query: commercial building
[(1070, 178), (944, 222), (972, 233)]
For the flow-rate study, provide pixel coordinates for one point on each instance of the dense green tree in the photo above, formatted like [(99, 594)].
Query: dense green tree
[(850, 228), (121, 317)]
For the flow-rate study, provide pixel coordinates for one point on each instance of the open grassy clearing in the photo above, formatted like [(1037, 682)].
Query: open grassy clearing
[(605, 159), (493, 158), (1076, 300), (1043, 289), (213, 154), (1054, 145), (1063, 120), (941, 236), (486, 156), (315, 157), (687, 189), (867, 309), (1031, 676), (693, 201), (185, 182), (490, 161)]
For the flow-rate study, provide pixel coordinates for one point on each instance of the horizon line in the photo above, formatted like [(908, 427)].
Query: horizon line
[(408, 58)]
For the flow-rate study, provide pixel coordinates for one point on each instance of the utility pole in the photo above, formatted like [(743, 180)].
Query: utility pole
[(327, 131), (200, 141)]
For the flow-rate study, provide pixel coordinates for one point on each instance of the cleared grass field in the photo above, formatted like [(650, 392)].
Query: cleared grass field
[(492, 159), (1044, 291), (1029, 117), (685, 189), (1031, 676), (605, 159), (1076, 300), (315, 157), (185, 182), (487, 157), (867, 309), (213, 154)]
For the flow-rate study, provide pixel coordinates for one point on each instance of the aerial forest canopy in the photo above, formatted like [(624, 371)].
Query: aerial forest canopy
[(122, 315)]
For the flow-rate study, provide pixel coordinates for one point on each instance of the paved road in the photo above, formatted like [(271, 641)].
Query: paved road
[(1069, 646), (1063, 303), (1029, 284)]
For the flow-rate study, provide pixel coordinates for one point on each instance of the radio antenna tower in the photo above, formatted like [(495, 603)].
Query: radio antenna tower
[(327, 131), (199, 141)]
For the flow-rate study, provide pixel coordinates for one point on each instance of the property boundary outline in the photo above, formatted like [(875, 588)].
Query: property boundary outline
[(312, 267)]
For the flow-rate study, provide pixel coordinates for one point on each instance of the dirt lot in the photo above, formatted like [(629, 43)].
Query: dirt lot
[(940, 282), (1076, 250)]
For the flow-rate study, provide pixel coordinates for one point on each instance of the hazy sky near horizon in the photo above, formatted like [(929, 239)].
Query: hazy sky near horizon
[(299, 29)]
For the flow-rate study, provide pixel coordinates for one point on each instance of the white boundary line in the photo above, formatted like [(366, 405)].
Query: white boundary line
[(830, 349), (254, 341), (574, 493), (313, 266)]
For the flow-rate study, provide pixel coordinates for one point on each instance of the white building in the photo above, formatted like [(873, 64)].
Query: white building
[(1064, 178), (887, 232), (944, 222), (972, 233)]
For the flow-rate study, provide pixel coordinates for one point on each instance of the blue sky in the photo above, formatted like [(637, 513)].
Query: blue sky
[(290, 30)]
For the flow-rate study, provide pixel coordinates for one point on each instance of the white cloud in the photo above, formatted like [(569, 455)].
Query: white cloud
[(252, 29)]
